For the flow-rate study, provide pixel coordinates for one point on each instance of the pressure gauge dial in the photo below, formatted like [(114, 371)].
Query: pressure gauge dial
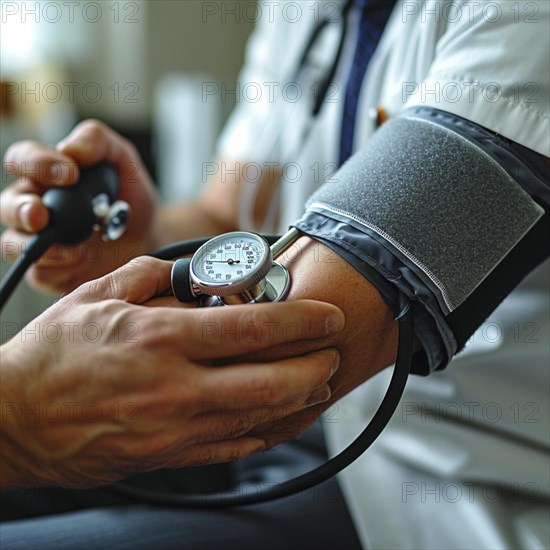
[(233, 263), (233, 268)]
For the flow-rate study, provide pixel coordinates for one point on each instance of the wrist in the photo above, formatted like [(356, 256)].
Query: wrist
[(10, 469), (11, 474), (21, 368)]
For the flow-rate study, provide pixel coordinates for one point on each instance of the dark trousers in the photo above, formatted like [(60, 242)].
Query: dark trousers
[(97, 518)]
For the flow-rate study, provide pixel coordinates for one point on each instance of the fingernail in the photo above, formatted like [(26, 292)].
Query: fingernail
[(335, 323), (335, 361), (261, 445), (25, 216), (318, 396)]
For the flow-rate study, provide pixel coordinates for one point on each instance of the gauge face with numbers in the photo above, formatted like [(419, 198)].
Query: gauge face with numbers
[(231, 263)]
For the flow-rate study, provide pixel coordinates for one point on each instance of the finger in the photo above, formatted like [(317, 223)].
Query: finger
[(219, 421), (216, 453), (292, 426), (13, 243), (169, 449), (53, 280), (48, 274), (62, 257), (56, 257), (282, 351), (235, 330), (273, 384), (92, 141), (169, 301), (21, 210), (45, 166), (135, 282)]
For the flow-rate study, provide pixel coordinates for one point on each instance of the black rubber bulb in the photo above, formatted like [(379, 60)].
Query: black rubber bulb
[(71, 208), (72, 219)]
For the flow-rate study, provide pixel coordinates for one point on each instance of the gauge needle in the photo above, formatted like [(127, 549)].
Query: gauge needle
[(231, 261)]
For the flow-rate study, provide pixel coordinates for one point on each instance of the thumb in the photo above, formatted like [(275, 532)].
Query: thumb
[(136, 282)]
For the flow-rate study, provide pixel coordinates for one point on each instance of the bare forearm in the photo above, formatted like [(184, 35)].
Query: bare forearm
[(10, 457), (216, 209), (368, 344), (188, 221), (13, 461)]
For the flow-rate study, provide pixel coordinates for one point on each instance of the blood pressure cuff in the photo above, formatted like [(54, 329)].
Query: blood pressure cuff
[(441, 213)]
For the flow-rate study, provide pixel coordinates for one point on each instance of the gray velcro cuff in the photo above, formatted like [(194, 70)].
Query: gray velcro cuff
[(438, 202)]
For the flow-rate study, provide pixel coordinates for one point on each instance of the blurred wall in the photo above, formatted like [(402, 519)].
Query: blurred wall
[(199, 36), (104, 59), (149, 39)]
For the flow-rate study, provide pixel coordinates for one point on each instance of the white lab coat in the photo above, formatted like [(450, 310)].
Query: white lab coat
[(470, 468)]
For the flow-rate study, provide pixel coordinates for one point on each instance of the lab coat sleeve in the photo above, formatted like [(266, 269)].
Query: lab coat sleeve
[(447, 213), (490, 66)]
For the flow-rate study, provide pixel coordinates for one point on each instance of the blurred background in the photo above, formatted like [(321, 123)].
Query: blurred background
[(140, 66)]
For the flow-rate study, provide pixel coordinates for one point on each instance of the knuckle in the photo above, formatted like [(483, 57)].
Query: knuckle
[(206, 456), (144, 263), (157, 338), (237, 453), (108, 286), (40, 277), (131, 149), (320, 368), (14, 150), (88, 290), (96, 130), (231, 427), (9, 154), (149, 331), (261, 318), (264, 390), (92, 128)]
